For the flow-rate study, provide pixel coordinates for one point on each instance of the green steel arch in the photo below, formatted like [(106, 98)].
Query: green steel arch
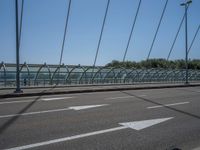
[(39, 70), (99, 72), (130, 77), (56, 71), (4, 72), (107, 79), (70, 76), (28, 71), (88, 74), (120, 75)]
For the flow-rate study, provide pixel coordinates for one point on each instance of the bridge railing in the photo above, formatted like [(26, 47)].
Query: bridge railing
[(46, 75)]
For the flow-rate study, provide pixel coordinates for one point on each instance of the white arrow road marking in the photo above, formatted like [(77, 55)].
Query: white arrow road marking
[(54, 110), (86, 107), (44, 99), (137, 125), (174, 104)]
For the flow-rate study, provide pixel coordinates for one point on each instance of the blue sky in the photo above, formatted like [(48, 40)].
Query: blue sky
[(44, 21)]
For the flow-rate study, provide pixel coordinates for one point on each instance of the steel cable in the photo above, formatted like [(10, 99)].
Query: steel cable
[(176, 37), (21, 21), (102, 29), (65, 31), (64, 37), (163, 12), (133, 26), (193, 39)]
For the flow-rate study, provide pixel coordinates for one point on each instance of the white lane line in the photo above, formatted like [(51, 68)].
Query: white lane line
[(39, 100), (66, 138), (123, 97), (86, 107), (54, 110), (136, 125), (20, 101), (34, 113), (56, 98), (174, 104)]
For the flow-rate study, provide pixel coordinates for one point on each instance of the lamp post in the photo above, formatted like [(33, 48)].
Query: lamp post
[(186, 5), (18, 89)]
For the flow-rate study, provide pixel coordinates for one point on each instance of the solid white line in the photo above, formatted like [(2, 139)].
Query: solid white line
[(34, 113), (55, 98), (67, 138), (123, 97), (174, 104)]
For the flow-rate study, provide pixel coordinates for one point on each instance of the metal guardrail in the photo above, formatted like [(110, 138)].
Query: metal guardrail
[(45, 75)]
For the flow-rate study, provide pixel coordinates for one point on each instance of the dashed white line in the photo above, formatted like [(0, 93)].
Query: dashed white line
[(39, 100), (53, 110), (21, 101), (34, 113), (56, 98), (123, 97), (174, 104)]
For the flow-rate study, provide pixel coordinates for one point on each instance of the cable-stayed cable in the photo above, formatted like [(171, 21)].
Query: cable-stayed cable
[(176, 37), (64, 37), (133, 26), (193, 39), (21, 21), (65, 31), (101, 33), (163, 12)]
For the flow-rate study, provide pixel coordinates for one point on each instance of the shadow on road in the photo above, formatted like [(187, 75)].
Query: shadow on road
[(13, 119), (156, 103)]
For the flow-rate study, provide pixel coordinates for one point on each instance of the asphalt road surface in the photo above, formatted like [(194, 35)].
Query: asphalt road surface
[(159, 119)]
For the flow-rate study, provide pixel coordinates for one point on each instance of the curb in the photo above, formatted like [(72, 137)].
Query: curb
[(95, 90)]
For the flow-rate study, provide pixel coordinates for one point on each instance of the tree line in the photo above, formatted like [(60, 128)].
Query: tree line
[(156, 63)]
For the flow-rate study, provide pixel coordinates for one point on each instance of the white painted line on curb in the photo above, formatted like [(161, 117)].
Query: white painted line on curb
[(56, 98), (174, 104), (137, 125), (123, 97), (54, 110)]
